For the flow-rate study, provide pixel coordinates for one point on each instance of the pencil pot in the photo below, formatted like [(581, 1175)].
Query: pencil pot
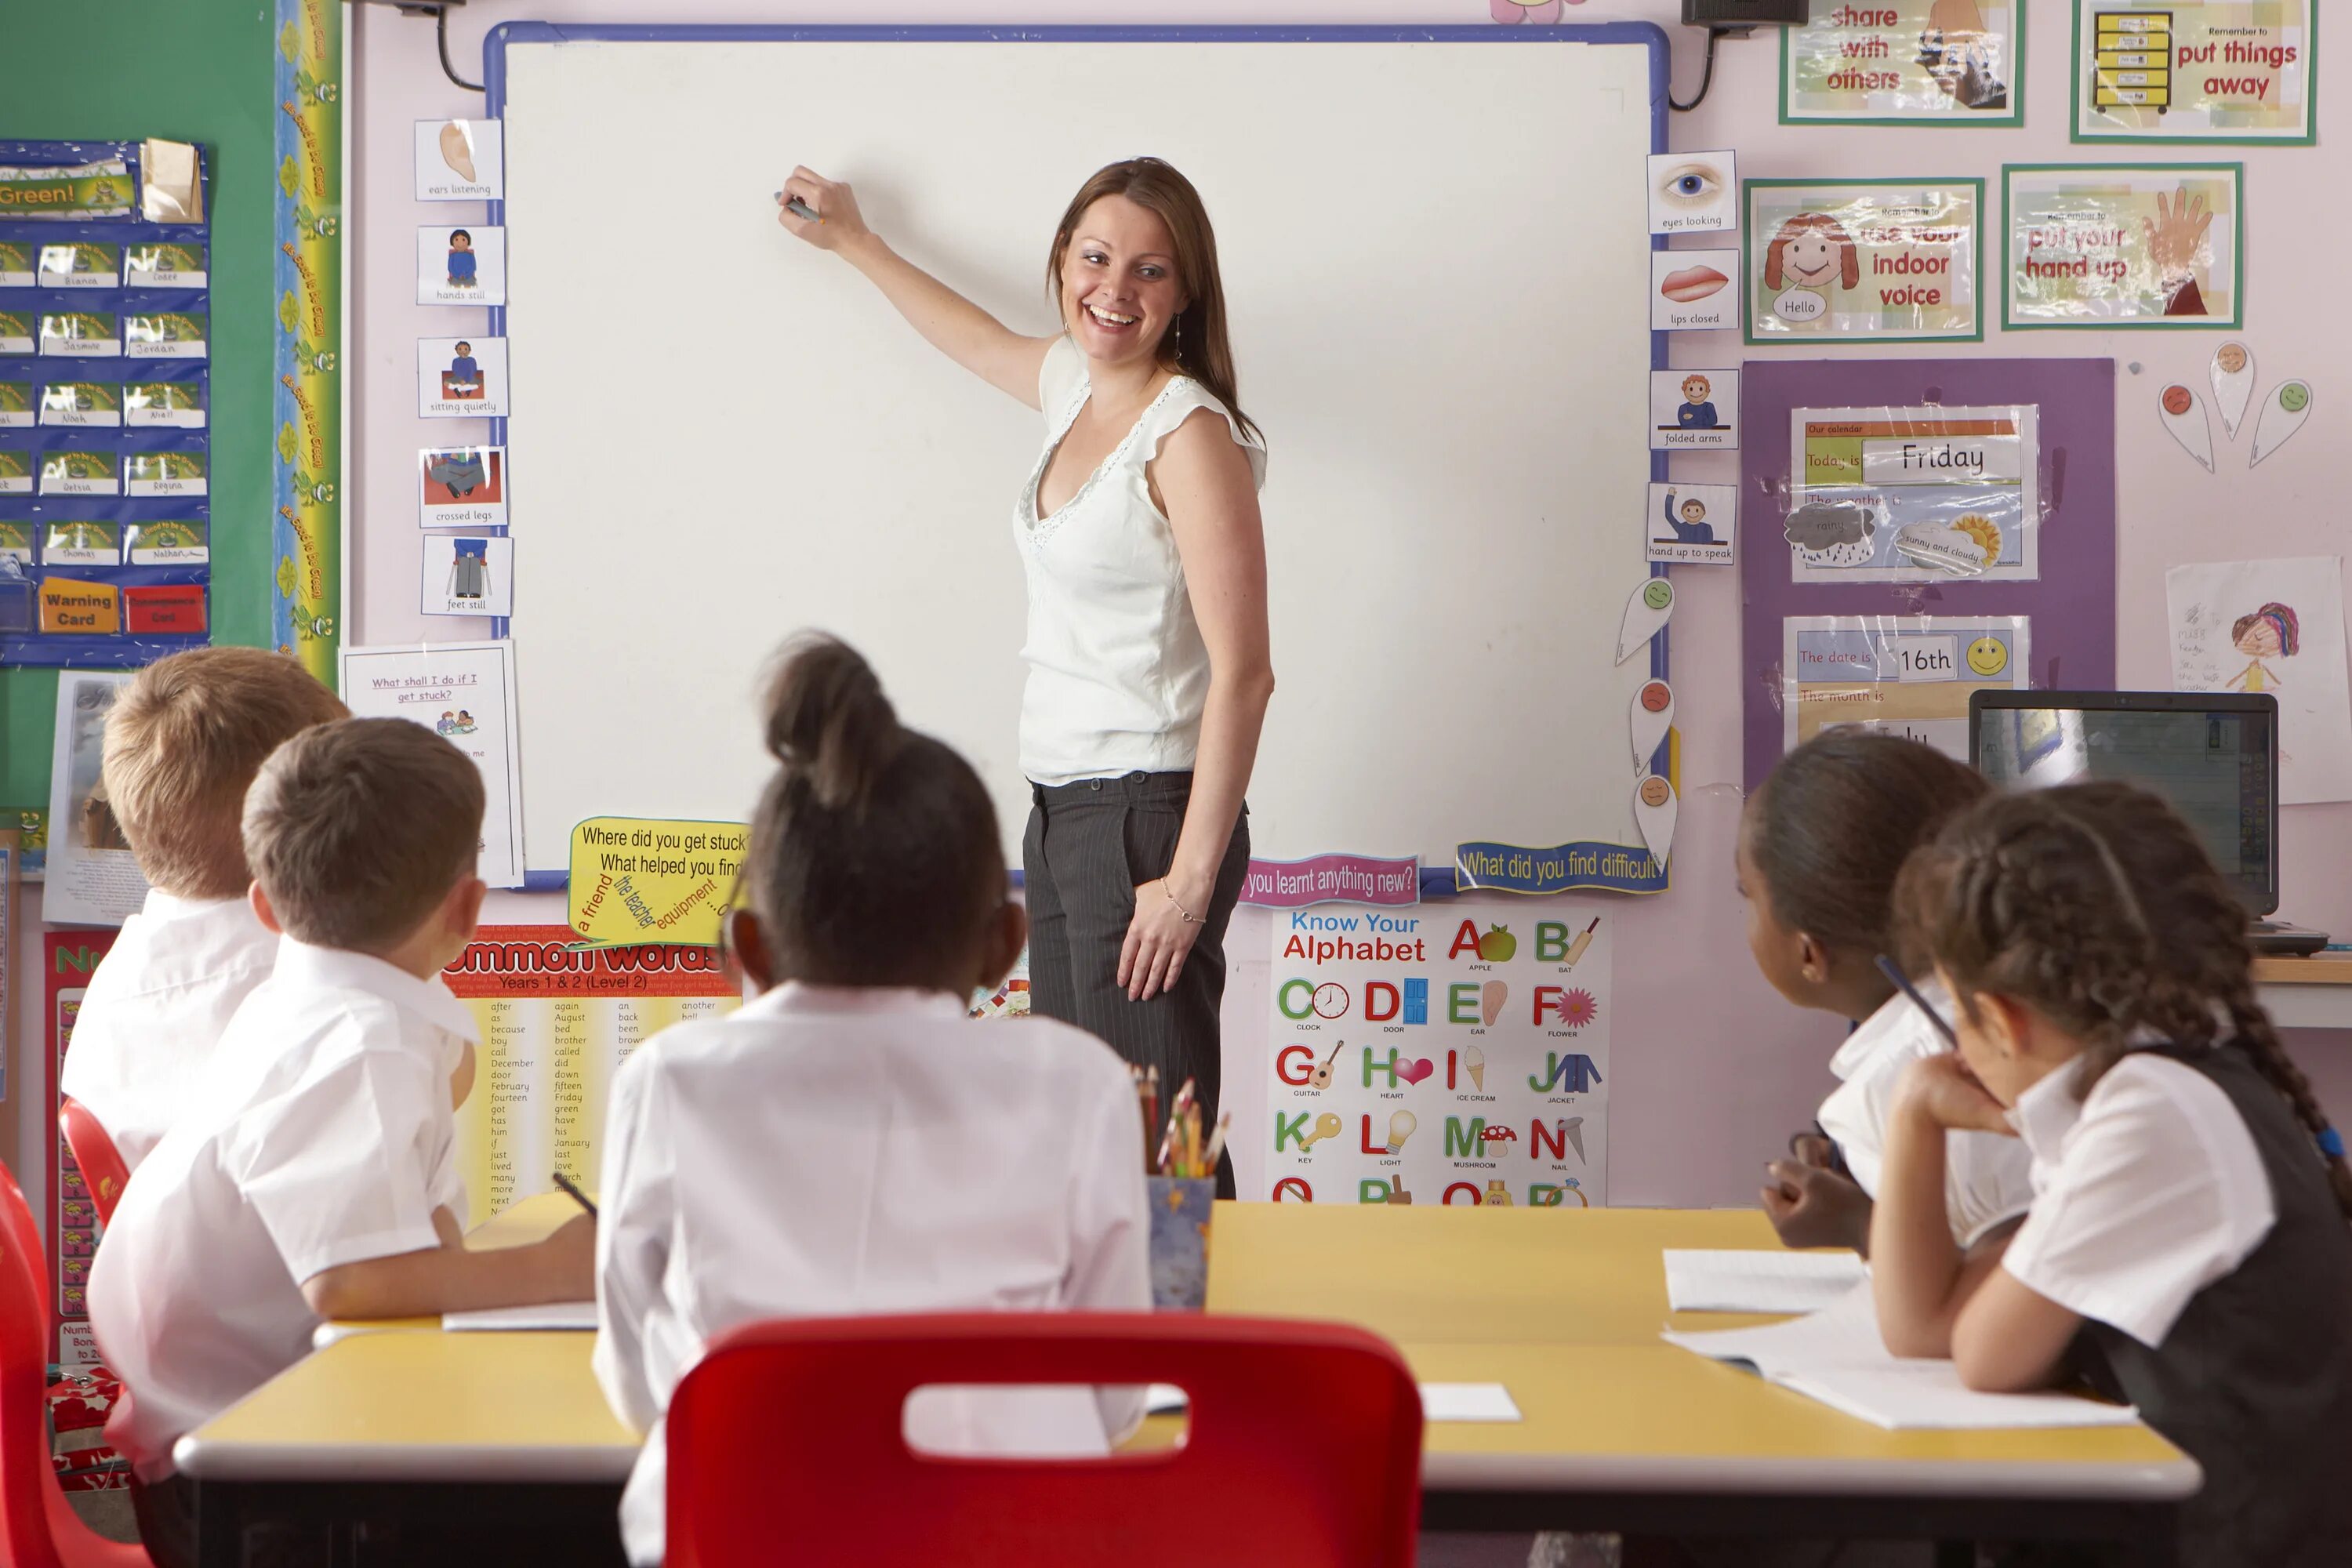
[(1180, 1239)]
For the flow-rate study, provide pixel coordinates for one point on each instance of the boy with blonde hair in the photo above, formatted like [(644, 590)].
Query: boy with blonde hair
[(182, 742), (316, 1177)]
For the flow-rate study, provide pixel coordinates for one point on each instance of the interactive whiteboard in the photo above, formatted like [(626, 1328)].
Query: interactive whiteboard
[(1436, 255)]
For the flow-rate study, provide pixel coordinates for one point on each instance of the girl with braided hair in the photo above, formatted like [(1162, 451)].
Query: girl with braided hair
[(2187, 1248)]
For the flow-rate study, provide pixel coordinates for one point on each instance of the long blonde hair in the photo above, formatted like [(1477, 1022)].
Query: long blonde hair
[(1196, 344)]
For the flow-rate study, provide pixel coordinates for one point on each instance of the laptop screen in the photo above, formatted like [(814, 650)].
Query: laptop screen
[(2215, 759)]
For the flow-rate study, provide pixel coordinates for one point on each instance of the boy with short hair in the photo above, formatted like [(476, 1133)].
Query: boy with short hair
[(183, 740), (317, 1178)]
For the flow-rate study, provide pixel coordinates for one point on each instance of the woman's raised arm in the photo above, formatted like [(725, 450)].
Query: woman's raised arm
[(948, 321)]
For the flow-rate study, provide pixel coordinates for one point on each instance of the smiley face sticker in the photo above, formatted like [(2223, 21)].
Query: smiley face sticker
[(2289, 407), (1654, 813), (1646, 615), (1652, 715), (1988, 657)]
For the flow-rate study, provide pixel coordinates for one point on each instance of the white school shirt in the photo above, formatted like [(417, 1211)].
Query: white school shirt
[(2146, 1191), (824, 1152), (1118, 672), (151, 1018), (1988, 1178), (326, 1138)]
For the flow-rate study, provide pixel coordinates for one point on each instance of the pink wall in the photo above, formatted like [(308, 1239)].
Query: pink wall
[(1712, 1069)]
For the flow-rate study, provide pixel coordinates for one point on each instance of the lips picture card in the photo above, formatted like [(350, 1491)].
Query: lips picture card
[(1694, 290), (1888, 261)]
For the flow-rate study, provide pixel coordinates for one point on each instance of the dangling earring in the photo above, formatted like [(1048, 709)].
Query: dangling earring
[(1179, 339)]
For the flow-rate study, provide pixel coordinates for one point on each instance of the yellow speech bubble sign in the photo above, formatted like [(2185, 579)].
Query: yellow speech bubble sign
[(638, 879)]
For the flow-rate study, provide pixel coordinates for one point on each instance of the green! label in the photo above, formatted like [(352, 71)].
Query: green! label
[(86, 190)]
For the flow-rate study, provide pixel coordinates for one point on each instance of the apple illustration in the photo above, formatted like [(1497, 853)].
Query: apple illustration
[(1498, 945)]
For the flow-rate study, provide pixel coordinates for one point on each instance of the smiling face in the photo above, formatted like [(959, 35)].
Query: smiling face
[(1120, 293), (1988, 657), (1693, 511), (1812, 259), (1695, 389)]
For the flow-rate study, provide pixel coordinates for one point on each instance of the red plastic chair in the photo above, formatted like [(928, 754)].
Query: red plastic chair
[(101, 1167), (39, 1528), (1304, 1449)]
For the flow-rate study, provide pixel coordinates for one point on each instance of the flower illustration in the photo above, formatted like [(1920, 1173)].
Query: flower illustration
[(1577, 1008)]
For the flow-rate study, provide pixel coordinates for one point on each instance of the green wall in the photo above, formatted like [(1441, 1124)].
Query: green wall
[(191, 70)]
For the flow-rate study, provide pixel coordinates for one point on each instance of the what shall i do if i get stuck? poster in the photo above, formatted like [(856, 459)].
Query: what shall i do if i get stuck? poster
[(1441, 1056)]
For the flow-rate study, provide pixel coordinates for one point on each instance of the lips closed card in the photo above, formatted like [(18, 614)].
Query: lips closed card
[(1694, 290)]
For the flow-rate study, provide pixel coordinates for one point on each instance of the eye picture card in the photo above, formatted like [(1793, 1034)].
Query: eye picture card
[(460, 160), (1694, 193), (1695, 410)]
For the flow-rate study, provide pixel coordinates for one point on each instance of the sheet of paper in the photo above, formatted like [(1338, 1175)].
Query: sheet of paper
[(559, 1315), (1468, 1402), (1837, 1357), (2274, 626), (1730, 1282), (464, 692), (93, 877)]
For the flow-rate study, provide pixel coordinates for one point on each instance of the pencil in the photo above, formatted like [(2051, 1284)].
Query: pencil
[(1216, 1149), (577, 1195)]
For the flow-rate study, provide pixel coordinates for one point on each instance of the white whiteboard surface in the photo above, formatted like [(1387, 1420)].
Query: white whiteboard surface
[(1435, 257)]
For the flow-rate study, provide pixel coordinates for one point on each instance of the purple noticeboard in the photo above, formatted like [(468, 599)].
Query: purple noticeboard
[(2072, 605)]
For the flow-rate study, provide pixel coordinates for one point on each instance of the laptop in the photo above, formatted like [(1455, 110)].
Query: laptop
[(2212, 754)]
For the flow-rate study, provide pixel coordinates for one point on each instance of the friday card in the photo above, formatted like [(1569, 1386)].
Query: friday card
[(460, 160), (468, 576), (463, 266), (1691, 524), (2099, 246), (1928, 494), (1896, 261), (1694, 193), (1694, 290), (461, 378), (1694, 410), (462, 487)]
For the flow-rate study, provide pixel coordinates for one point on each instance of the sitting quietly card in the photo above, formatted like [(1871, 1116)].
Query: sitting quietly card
[(461, 378)]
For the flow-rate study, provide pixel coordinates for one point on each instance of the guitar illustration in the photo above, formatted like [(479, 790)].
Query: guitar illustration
[(1321, 1078)]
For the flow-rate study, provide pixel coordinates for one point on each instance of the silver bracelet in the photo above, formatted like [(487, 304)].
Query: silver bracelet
[(1189, 916)]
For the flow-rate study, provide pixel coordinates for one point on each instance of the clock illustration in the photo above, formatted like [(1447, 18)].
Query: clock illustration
[(1330, 1000)]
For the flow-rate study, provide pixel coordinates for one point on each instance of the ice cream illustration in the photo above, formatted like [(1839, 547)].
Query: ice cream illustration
[(1475, 1060)]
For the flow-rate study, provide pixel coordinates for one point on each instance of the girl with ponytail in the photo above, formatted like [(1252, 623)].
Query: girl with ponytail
[(849, 1141), (2188, 1246)]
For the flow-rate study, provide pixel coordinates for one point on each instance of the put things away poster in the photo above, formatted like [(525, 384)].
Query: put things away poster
[(2274, 626)]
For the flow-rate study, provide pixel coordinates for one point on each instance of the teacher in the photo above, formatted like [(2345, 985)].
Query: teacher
[(1145, 558)]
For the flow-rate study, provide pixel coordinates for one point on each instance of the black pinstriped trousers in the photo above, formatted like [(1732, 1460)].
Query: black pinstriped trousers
[(1089, 845)]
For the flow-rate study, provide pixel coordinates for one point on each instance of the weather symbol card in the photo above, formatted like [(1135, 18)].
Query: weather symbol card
[(460, 160), (468, 576), (461, 378), (462, 487), (1691, 524), (1694, 410), (1694, 290), (1694, 193), (461, 265)]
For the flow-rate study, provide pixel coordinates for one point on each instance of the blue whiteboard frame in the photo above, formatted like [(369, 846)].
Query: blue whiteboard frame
[(1436, 882)]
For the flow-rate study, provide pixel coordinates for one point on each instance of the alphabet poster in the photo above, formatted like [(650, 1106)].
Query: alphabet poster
[(2124, 245), (1905, 62), (1906, 675), (1915, 495), (557, 1021), (1896, 261), (2274, 626), (1454, 1053), (2194, 70)]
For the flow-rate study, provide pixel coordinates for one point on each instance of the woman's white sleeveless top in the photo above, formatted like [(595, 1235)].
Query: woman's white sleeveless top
[(1117, 673)]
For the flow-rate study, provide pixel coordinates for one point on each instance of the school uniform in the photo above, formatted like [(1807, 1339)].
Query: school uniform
[(1988, 1178), (325, 1138), (826, 1151), (2183, 1211), (151, 1020)]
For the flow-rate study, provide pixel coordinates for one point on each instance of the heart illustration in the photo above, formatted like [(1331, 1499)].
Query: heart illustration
[(1413, 1072)]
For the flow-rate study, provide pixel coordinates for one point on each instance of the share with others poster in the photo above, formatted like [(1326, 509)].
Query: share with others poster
[(1446, 1054)]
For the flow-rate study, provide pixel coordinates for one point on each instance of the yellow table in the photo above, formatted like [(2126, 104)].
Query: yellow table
[(533, 1219), (1563, 1308)]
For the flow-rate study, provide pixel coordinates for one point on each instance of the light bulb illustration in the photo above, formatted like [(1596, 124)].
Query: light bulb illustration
[(1401, 1126), (1475, 1060)]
